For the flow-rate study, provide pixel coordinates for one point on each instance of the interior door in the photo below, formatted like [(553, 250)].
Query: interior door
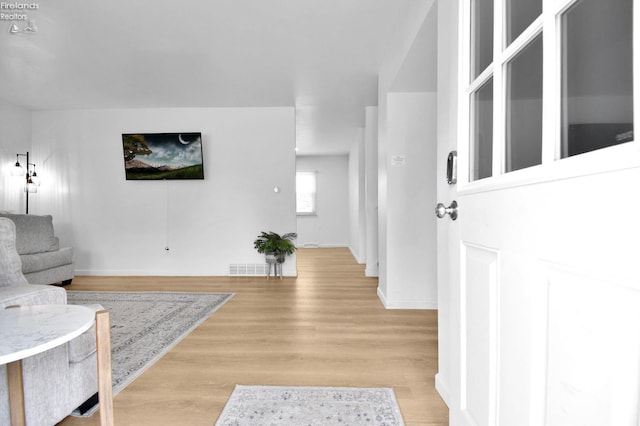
[(448, 231), (540, 303)]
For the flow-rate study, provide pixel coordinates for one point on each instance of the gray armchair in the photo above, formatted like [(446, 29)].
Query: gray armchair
[(43, 260), (57, 381)]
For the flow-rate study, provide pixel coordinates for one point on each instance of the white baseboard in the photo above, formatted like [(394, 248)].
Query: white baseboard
[(382, 298), (356, 257), (115, 273), (323, 245), (145, 273), (443, 390), (407, 304), (371, 271)]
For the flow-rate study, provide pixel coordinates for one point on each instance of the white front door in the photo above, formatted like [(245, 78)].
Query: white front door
[(540, 301)]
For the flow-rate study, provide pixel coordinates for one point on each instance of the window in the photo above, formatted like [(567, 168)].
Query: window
[(481, 155), (306, 193), (549, 80), (597, 77), (523, 119)]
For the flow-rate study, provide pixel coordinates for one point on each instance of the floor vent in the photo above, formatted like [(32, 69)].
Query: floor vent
[(247, 269), (310, 245)]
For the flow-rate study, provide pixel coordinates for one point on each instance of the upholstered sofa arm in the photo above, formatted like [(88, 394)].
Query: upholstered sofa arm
[(32, 294), (84, 346), (42, 259)]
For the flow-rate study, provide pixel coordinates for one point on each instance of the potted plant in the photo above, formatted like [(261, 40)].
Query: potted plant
[(275, 246)]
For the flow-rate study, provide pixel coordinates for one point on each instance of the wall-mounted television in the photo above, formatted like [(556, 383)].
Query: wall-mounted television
[(163, 156)]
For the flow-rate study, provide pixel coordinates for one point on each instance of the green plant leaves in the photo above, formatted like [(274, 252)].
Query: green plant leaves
[(276, 244)]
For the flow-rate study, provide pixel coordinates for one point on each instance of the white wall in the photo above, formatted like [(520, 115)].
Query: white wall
[(371, 189), (411, 182), (15, 138), (408, 48), (330, 227), (120, 227), (357, 210)]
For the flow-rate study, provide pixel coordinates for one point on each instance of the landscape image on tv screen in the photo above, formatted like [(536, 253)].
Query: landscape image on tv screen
[(163, 156)]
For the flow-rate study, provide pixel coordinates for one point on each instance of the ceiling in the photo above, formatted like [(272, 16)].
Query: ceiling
[(321, 56)]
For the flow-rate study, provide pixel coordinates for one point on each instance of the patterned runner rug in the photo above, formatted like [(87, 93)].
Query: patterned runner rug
[(146, 325), (296, 406)]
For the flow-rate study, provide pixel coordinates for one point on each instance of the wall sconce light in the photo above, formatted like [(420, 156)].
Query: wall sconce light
[(30, 28), (32, 181)]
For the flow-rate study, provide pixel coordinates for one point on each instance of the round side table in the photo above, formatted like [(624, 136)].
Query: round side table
[(30, 330)]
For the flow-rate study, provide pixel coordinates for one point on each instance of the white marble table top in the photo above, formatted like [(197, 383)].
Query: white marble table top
[(29, 330)]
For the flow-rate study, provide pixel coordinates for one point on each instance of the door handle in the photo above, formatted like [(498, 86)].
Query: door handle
[(452, 210)]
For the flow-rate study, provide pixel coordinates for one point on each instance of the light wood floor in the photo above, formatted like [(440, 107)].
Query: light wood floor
[(326, 327)]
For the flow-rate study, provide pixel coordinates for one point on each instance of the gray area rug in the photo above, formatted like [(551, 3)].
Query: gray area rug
[(299, 406), (146, 325)]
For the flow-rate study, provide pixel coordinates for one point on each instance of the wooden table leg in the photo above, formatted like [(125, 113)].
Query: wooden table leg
[(16, 392), (103, 350), (16, 388)]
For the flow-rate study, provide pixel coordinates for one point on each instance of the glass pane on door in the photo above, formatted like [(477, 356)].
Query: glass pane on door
[(481, 148), (521, 14), (597, 98), (481, 36), (524, 108)]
